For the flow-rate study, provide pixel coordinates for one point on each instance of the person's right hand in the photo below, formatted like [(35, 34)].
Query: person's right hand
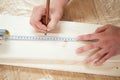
[(39, 12)]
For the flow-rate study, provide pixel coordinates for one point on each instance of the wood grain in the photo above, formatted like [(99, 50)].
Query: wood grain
[(90, 11), (22, 73), (93, 11)]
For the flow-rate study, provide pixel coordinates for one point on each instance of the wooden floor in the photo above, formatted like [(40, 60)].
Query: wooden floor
[(89, 11), (93, 11), (20, 73)]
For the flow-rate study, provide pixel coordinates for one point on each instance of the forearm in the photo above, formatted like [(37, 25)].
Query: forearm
[(119, 31), (58, 6), (58, 3)]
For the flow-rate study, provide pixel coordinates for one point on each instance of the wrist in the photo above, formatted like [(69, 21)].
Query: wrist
[(119, 32), (58, 3), (119, 35), (57, 6)]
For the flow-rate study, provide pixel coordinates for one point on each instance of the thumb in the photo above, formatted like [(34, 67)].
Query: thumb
[(102, 29), (52, 24)]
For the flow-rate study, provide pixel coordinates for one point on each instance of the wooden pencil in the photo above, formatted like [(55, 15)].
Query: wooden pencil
[(47, 14)]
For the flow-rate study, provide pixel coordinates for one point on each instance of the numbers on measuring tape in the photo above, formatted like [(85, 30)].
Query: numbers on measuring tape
[(42, 38)]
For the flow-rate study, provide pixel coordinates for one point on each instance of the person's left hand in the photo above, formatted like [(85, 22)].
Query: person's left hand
[(108, 42)]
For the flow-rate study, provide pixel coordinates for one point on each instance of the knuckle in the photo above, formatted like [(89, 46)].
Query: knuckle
[(89, 35), (31, 22), (101, 35), (36, 7), (98, 54), (81, 37), (94, 45), (107, 24), (91, 46), (98, 28), (104, 42), (82, 49), (51, 28), (85, 48), (37, 30), (106, 58)]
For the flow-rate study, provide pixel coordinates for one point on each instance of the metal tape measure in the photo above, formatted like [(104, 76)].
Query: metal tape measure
[(5, 34), (42, 38)]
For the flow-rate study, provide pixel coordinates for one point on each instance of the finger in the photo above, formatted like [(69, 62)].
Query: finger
[(38, 11), (95, 56), (41, 26), (52, 24), (88, 37), (36, 28), (103, 59), (42, 31), (39, 30), (102, 29), (87, 48)]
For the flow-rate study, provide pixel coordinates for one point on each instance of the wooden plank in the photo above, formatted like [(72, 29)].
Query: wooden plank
[(22, 73), (98, 11), (109, 69), (45, 52)]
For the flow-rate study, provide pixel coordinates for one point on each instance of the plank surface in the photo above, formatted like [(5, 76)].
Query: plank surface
[(90, 11), (21, 73), (54, 55)]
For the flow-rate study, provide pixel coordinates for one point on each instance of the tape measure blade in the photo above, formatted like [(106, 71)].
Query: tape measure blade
[(42, 38)]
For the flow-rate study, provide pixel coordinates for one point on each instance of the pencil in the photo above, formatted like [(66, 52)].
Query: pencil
[(47, 14)]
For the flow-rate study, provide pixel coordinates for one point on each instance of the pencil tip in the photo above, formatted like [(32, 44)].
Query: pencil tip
[(45, 34)]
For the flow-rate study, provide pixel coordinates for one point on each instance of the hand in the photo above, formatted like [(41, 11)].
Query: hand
[(108, 42), (39, 12)]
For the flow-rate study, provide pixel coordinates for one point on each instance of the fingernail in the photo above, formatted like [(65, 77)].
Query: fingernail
[(48, 29), (79, 50), (85, 61), (77, 38), (97, 64)]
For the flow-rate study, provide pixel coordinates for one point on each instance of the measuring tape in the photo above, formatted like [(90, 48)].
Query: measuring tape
[(42, 38), (5, 34)]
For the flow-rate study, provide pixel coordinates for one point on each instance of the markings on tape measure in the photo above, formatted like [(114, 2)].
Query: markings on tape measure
[(46, 38), (42, 38)]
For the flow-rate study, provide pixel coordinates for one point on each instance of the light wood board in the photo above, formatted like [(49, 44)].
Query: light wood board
[(49, 54), (88, 11)]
